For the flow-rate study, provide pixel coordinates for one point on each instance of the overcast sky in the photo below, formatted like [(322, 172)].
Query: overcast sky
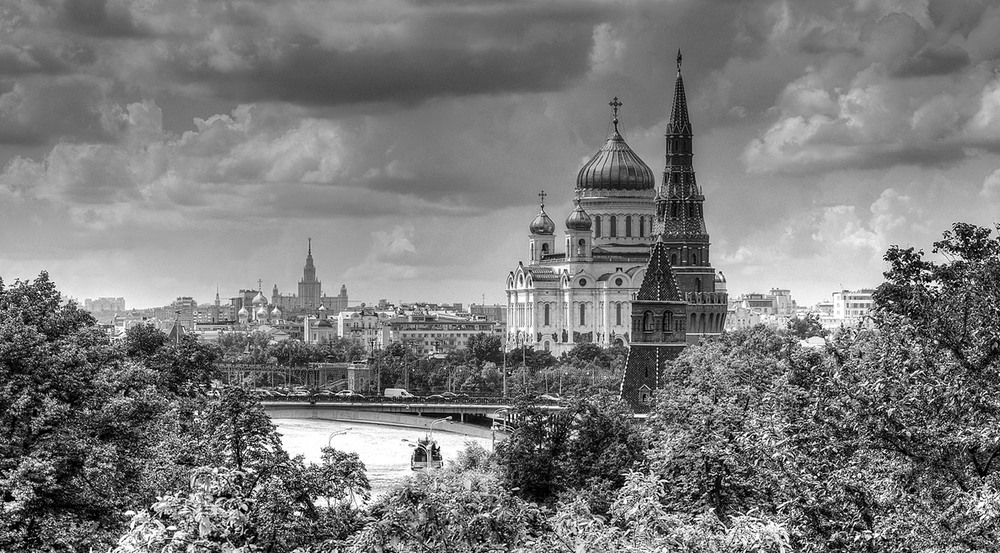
[(156, 148)]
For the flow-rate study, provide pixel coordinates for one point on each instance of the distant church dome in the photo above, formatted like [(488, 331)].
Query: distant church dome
[(243, 312), (720, 278), (542, 223), (578, 219), (261, 312), (259, 299), (322, 307), (275, 313), (615, 166)]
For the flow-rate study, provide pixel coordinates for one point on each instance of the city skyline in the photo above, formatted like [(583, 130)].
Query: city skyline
[(162, 150)]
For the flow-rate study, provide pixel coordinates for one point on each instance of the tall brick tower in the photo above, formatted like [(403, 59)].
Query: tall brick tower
[(678, 302), (659, 329)]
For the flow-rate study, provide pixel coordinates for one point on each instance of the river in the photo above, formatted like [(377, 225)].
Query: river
[(381, 448)]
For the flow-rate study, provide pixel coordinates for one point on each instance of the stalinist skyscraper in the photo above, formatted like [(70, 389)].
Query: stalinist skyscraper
[(310, 297), (309, 288)]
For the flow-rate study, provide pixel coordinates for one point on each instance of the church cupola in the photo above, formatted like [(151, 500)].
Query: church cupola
[(578, 219), (579, 239), (542, 240), (542, 224), (615, 166)]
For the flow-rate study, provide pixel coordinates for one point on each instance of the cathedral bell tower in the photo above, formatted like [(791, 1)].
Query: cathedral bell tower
[(579, 238), (541, 238)]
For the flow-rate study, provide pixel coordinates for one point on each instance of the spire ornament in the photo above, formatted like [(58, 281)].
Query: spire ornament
[(679, 58), (615, 104)]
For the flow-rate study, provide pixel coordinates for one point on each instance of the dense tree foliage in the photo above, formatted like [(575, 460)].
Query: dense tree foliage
[(885, 439), (588, 447), (79, 423), (806, 327)]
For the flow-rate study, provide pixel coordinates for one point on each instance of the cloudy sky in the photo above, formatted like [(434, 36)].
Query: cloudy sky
[(154, 148)]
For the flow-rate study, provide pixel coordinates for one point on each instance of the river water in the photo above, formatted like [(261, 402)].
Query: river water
[(381, 448)]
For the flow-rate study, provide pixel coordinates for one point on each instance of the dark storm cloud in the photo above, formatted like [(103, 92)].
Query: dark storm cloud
[(98, 18), (435, 53), (37, 109), (933, 60), (310, 74), (825, 41)]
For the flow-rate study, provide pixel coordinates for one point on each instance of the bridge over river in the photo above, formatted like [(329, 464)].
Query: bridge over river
[(480, 417)]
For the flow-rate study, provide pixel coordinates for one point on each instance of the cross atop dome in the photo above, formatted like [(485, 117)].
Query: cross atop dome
[(541, 196), (615, 104)]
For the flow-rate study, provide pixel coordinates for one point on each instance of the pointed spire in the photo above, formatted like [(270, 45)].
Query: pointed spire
[(310, 247), (679, 123), (658, 284)]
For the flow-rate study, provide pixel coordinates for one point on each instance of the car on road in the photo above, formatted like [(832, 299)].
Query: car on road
[(453, 395), (553, 397), (437, 397), (348, 394)]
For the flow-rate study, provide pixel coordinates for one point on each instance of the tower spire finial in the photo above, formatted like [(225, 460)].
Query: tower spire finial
[(541, 195), (310, 246), (615, 104), (679, 58)]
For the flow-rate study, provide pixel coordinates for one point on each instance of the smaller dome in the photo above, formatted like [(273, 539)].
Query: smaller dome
[(322, 307), (542, 223), (720, 278), (578, 220), (243, 312), (275, 312), (261, 312), (259, 299)]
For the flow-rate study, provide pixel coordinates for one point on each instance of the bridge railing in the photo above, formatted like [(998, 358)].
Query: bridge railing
[(387, 400)]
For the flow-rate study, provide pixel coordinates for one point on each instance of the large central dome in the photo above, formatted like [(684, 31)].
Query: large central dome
[(615, 167)]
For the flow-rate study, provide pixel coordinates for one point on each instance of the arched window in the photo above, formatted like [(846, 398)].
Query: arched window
[(545, 249), (581, 247), (546, 346), (702, 327), (583, 314), (647, 321), (697, 285), (545, 314), (628, 226), (668, 321), (693, 327), (597, 226), (618, 313), (694, 259), (642, 226), (614, 226), (673, 260)]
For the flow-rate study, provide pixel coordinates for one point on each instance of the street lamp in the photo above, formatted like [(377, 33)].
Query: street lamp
[(329, 440), (493, 427), (431, 425)]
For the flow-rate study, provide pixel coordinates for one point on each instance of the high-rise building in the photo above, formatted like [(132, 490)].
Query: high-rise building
[(310, 294), (309, 287), (584, 294)]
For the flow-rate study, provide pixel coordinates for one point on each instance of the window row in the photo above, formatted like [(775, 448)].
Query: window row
[(640, 226)]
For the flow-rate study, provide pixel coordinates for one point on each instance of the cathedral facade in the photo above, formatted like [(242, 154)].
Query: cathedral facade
[(585, 293)]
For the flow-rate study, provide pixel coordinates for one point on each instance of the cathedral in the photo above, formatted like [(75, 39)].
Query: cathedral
[(623, 232)]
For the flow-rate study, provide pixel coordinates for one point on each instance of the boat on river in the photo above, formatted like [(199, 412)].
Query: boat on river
[(426, 455)]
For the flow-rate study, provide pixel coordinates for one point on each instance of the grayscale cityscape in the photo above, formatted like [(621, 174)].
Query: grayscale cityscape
[(509, 275)]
